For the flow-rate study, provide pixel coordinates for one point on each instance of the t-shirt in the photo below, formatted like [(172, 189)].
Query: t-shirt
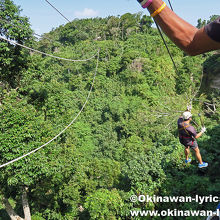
[(213, 30), (188, 134)]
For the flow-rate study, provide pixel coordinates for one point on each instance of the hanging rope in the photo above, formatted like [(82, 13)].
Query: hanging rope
[(46, 54), (87, 99)]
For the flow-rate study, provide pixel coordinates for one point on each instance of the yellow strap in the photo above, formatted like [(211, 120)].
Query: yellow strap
[(184, 127), (159, 10)]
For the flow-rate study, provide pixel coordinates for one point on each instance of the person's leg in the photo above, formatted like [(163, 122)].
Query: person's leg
[(187, 152), (195, 147), (198, 155)]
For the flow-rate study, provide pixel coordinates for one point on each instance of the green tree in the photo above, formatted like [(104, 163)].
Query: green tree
[(104, 204), (129, 24), (201, 23), (14, 60), (212, 18), (124, 142), (146, 23)]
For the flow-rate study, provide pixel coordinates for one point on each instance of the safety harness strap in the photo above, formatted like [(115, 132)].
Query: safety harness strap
[(184, 128)]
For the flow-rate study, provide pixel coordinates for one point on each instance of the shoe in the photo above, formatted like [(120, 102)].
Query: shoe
[(203, 165), (188, 161)]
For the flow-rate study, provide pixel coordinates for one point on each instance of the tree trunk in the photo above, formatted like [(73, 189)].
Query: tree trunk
[(12, 214), (26, 208)]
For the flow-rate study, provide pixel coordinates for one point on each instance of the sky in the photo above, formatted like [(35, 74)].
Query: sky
[(44, 18)]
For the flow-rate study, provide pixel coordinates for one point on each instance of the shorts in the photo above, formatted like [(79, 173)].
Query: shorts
[(192, 144)]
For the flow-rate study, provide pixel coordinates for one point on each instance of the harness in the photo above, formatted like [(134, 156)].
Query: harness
[(184, 128)]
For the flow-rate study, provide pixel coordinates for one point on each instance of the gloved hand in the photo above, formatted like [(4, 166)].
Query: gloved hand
[(145, 3), (203, 129)]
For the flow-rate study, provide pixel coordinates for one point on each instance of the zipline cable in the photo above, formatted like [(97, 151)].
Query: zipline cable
[(61, 13), (174, 64), (171, 57), (46, 54), (193, 95), (87, 99), (170, 5), (58, 11), (168, 50)]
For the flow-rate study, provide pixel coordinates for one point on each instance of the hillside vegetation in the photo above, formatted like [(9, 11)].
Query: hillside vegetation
[(125, 141)]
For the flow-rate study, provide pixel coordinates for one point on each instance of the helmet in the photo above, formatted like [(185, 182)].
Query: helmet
[(187, 115)]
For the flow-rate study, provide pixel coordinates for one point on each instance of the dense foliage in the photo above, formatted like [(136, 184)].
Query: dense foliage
[(124, 142)]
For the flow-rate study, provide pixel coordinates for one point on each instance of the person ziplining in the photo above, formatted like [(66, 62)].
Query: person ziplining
[(188, 136), (193, 41)]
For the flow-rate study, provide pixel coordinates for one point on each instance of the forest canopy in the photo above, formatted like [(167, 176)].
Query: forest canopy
[(124, 142)]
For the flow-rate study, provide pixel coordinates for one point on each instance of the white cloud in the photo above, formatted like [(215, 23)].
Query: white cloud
[(87, 12)]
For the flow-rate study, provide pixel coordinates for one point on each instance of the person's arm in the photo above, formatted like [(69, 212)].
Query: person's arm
[(187, 37), (200, 133)]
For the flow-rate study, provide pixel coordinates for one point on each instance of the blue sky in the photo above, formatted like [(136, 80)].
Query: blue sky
[(43, 17)]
